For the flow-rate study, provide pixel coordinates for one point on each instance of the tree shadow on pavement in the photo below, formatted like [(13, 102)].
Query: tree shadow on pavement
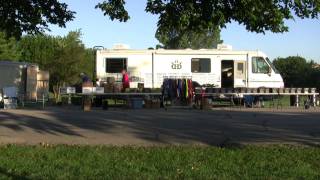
[(19, 122), (216, 128)]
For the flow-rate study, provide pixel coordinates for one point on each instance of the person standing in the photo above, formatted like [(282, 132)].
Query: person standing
[(85, 78), (125, 80)]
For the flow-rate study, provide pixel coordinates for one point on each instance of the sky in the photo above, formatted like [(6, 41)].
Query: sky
[(303, 38)]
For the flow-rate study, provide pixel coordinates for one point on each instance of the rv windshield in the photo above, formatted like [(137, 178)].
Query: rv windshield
[(272, 66)]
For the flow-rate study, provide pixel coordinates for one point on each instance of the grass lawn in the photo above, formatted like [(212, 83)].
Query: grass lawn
[(85, 162)]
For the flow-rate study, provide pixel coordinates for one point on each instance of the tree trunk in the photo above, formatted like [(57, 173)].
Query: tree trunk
[(56, 91)]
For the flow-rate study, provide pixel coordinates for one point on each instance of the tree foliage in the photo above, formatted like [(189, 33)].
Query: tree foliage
[(39, 49), (298, 72), (256, 15), (114, 9), (32, 16), (179, 20), (64, 57), (8, 48), (205, 38), (184, 23)]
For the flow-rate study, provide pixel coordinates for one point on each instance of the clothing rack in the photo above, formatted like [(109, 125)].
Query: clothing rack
[(177, 90)]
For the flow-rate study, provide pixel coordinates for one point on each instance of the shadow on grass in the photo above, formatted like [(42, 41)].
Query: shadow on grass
[(10, 175)]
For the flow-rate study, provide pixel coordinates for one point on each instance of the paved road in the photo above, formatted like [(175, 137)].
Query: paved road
[(157, 127)]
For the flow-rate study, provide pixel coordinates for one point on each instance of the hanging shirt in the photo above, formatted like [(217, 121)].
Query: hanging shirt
[(187, 90), (190, 89), (125, 81), (179, 88)]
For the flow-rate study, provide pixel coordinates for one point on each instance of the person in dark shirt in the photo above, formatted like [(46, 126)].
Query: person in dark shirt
[(84, 78)]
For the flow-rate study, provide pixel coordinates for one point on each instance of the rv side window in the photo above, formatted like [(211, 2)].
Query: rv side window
[(201, 65), (259, 65), (115, 65)]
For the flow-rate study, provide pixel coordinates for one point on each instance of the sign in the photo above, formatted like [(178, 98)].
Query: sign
[(67, 90), (87, 90), (92, 90), (176, 65), (98, 90)]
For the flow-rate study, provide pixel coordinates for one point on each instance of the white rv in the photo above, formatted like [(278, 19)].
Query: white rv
[(221, 67)]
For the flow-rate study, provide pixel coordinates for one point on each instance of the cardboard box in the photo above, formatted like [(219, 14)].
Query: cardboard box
[(147, 104), (117, 88), (108, 88), (287, 90), (98, 90), (111, 80), (152, 104), (275, 90), (87, 84), (155, 105), (86, 103), (293, 90), (205, 104)]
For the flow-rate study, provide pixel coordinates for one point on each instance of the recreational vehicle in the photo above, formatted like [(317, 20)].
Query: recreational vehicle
[(221, 67)]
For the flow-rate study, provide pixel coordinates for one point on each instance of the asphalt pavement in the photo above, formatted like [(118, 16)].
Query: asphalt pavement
[(217, 127)]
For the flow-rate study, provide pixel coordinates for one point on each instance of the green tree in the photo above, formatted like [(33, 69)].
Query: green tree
[(296, 71), (185, 15), (8, 48), (72, 58), (172, 39), (88, 63), (39, 49), (315, 77), (197, 23), (32, 16), (64, 57)]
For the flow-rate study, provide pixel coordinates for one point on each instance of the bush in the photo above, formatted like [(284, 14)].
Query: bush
[(76, 100), (105, 104)]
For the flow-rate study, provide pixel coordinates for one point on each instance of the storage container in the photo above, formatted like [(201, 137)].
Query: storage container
[(10, 103), (136, 103)]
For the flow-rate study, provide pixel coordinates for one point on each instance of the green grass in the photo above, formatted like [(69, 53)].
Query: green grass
[(284, 101), (85, 162)]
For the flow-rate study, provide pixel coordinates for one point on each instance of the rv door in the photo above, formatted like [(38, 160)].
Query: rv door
[(240, 74)]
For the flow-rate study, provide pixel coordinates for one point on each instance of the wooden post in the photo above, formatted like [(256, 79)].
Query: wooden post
[(69, 99), (297, 100), (86, 103)]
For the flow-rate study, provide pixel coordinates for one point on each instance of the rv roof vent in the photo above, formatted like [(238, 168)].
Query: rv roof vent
[(224, 47), (120, 46)]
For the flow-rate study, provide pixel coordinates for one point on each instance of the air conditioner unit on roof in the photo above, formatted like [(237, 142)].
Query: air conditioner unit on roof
[(224, 47), (120, 46)]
